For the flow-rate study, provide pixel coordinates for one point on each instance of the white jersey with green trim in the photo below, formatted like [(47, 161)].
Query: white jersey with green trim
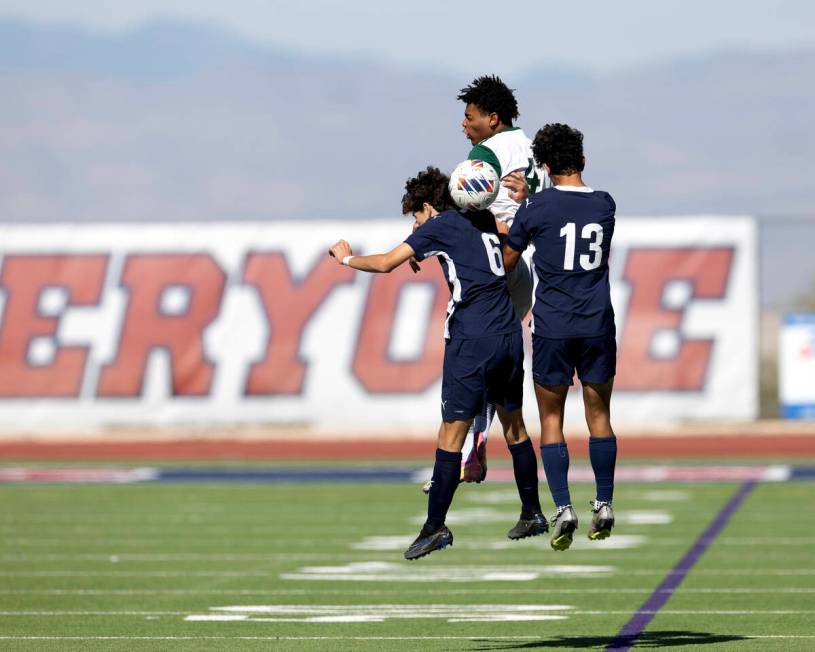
[(507, 151)]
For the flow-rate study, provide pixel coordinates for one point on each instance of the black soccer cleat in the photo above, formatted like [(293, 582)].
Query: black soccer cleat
[(529, 527), (427, 542)]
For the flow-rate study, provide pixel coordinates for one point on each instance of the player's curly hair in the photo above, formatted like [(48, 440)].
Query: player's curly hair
[(560, 147), (491, 95), (429, 186)]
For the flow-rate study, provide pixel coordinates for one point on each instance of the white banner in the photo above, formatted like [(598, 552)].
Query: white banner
[(221, 323), (796, 366)]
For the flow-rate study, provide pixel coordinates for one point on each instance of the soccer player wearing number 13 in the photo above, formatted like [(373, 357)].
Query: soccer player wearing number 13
[(572, 325)]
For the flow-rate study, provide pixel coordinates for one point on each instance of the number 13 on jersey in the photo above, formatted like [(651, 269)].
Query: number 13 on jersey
[(591, 232)]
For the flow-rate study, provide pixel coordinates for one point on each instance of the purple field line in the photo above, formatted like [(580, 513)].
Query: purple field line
[(628, 635)]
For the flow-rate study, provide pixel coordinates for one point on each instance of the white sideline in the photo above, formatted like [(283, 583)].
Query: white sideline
[(400, 591)]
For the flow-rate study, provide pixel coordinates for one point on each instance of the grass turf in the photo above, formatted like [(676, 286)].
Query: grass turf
[(120, 567)]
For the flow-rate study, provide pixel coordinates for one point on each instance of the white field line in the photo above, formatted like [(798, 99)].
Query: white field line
[(420, 611), (481, 639), (372, 543), (460, 517), (198, 540), (510, 497), (578, 556), (384, 571), (169, 557), (605, 571), (383, 612), (399, 590), (211, 519), (490, 515), (400, 542)]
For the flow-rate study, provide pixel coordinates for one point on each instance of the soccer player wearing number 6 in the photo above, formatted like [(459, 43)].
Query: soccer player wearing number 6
[(483, 352), (572, 326)]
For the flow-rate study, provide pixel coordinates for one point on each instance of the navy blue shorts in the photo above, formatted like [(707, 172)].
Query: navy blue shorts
[(555, 361), (488, 369)]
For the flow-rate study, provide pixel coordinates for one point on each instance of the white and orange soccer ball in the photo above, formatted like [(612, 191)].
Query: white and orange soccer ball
[(474, 185)]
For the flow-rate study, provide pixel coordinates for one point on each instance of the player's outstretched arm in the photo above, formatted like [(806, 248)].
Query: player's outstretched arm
[(383, 263)]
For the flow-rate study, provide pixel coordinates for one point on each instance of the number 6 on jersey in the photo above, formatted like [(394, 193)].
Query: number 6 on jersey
[(493, 246)]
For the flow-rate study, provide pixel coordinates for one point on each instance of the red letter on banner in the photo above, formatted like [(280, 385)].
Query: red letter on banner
[(24, 278), (372, 365), (179, 330), (289, 304), (648, 271)]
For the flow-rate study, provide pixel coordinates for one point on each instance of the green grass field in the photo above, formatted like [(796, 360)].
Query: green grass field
[(147, 567)]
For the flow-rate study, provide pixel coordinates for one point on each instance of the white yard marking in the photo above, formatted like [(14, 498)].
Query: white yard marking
[(91, 613), (399, 542), (494, 497), (393, 543), (381, 571), (746, 572), (473, 515), (400, 590), (616, 542), (665, 495), (489, 515), (136, 573), (642, 517), (362, 571), (481, 639), (777, 473), (382, 613), (168, 557)]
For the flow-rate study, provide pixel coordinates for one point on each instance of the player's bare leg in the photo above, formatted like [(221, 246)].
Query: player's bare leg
[(435, 534), (597, 406), (531, 522), (474, 451), (452, 434), (513, 426), (603, 455), (555, 456)]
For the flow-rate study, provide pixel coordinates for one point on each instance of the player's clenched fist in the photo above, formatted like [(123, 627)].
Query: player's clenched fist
[(340, 250)]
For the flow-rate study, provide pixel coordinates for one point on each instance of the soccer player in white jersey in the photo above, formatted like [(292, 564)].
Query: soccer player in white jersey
[(489, 114)]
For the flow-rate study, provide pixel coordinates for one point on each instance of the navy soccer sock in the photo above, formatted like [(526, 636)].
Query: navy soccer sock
[(446, 475), (556, 465), (603, 455), (525, 466)]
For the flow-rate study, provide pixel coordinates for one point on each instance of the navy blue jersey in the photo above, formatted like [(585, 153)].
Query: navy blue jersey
[(469, 251), (571, 231)]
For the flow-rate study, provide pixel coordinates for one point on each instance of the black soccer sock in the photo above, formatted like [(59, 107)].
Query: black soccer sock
[(525, 466), (446, 475), (603, 455), (555, 459)]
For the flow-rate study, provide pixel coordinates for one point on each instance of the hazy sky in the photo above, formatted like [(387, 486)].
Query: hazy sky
[(595, 35)]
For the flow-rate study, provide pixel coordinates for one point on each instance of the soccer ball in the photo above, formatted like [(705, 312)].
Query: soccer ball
[(474, 185)]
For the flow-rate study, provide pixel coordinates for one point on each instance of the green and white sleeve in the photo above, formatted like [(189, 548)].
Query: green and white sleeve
[(484, 153)]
